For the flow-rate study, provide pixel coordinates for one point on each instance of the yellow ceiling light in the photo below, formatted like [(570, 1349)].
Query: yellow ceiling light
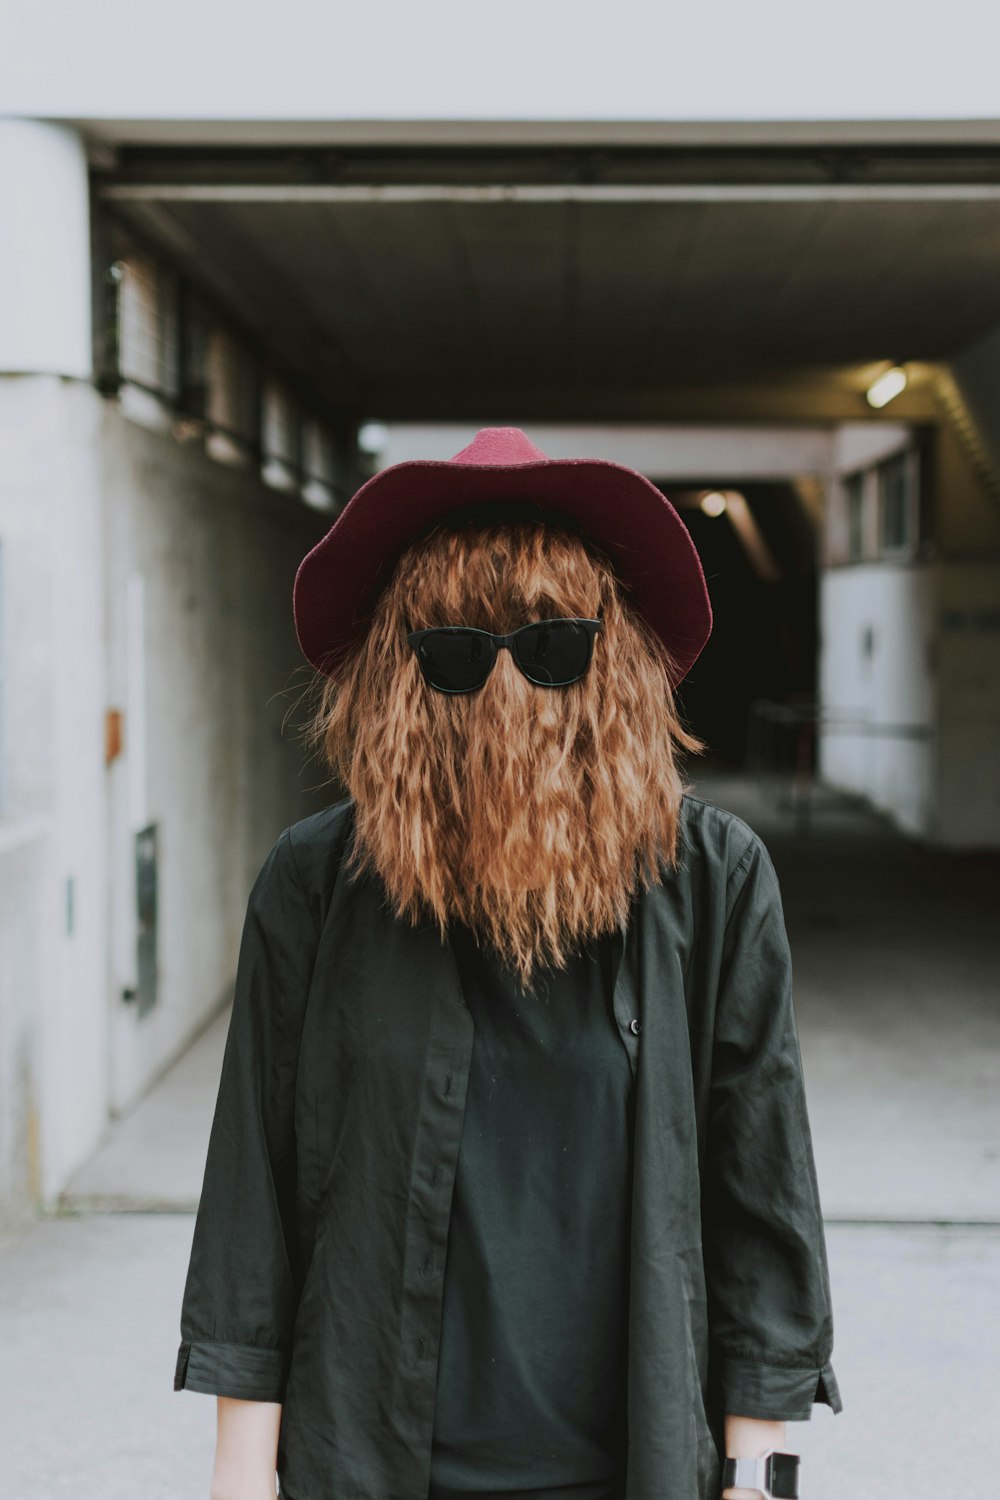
[(713, 503), (882, 390)]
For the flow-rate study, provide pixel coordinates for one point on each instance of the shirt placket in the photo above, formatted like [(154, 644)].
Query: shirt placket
[(626, 1002), (447, 1062)]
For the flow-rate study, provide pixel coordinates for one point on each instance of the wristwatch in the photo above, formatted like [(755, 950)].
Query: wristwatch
[(774, 1474)]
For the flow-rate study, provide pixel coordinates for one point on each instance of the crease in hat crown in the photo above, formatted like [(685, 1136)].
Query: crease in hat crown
[(623, 511), (500, 445)]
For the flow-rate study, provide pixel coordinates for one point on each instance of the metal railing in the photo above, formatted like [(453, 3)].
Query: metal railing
[(781, 748)]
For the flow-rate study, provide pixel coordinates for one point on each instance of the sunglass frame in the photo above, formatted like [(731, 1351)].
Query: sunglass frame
[(499, 640)]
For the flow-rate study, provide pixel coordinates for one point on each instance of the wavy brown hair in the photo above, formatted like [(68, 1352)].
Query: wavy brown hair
[(528, 813)]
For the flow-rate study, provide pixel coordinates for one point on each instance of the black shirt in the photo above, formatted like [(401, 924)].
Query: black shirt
[(316, 1272), (532, 1368)]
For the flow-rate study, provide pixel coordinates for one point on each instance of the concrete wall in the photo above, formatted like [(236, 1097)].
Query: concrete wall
[(203, 659), (976, 372), (875, 669), (53, 915), (23, 858), (45, 323), (915, 646), (139, 575), (968, 626), (967, 520), (968, 674)]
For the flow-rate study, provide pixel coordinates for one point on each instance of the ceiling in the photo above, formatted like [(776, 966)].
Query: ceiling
[(595, 284)]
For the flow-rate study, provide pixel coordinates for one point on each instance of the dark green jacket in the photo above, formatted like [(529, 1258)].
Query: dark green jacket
[(316, 1268)]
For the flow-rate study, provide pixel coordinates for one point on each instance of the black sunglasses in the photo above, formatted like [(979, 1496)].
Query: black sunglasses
[(459, 658)]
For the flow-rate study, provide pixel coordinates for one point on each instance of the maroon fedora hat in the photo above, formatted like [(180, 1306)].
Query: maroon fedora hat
[(501, 472)]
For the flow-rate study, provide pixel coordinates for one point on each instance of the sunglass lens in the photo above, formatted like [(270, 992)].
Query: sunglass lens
[(553, 652), (455, 661)]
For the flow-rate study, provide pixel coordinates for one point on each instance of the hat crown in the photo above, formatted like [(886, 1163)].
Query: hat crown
[(500, 445), (341, 577)]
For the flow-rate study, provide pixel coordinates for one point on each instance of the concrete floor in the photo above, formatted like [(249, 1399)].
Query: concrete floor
[(896, 954)]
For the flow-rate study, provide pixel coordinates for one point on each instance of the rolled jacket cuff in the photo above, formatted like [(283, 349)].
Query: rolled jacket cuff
[(777, 1393), (245, 1371)]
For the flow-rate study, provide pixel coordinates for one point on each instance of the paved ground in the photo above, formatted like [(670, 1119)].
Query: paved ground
[(896, 954)]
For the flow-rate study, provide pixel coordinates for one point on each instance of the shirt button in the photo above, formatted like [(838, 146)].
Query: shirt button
[(634, 1027)]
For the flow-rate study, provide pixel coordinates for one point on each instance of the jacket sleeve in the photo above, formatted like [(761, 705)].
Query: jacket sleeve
[(767, 1278), (240, 1295)]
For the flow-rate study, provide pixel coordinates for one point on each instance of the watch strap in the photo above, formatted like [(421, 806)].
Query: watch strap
[(774, 1474)]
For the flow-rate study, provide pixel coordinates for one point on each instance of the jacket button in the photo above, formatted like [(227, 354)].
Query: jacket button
[(634, 1027)]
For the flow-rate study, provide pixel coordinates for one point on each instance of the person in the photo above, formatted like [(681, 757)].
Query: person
[(510, 1188)]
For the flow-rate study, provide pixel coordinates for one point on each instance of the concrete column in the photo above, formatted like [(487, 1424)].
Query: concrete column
[(45, 291), (53, 865)]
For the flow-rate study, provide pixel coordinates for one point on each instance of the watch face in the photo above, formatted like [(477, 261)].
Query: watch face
[(785, 1476)]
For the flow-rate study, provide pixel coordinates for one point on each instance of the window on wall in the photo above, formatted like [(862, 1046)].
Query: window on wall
[(896, 495), (879, 510), (147, 325), (178, 361), (854, 499), (232, 398), (318, 485), (195, 331), (279, 437)]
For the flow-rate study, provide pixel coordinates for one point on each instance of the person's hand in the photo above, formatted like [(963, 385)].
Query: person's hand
[(749, 1437), (246, 1450), (256, 1488), (264, 1494), (251, 1488)]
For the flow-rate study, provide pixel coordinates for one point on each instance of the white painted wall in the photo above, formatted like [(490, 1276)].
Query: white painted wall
[(678, 451), (856, 445), (201, 650), (877, 676), (97, 513), (927, 667), (137, 574), (894, 685)]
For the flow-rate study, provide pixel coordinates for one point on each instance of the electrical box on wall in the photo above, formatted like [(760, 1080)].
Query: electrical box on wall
[(145, 886)]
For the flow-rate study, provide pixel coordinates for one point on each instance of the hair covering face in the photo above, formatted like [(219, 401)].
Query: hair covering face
[(527, 812)]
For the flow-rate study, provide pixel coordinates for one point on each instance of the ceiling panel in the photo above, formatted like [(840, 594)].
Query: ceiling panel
[(594, 295)]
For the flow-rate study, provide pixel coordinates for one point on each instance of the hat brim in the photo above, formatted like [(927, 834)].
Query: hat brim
[(338, 582)]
